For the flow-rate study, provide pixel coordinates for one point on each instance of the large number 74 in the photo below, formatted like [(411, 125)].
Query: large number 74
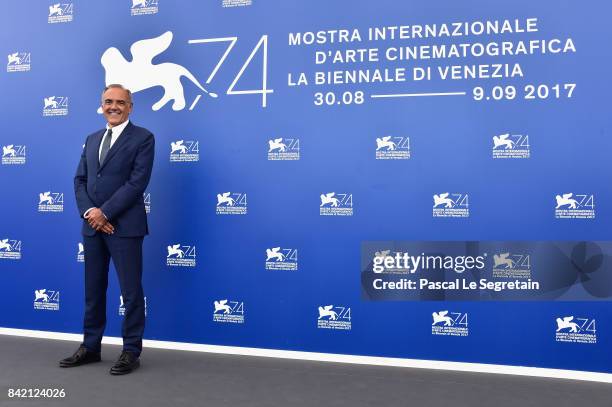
[(263, 43)]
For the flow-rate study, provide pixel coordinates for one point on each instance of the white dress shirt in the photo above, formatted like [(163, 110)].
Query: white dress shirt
[(117, 130)]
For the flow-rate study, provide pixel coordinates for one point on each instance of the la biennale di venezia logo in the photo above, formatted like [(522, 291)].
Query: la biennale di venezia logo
[(139, 73)]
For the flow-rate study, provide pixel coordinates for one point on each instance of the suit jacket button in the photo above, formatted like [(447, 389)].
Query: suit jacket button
[(98, 175)]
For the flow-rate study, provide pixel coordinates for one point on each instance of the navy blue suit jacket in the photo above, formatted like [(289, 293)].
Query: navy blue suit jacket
[(116, 186)]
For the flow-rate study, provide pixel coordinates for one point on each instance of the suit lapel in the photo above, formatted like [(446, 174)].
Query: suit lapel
[(97, 140), (117, 145)]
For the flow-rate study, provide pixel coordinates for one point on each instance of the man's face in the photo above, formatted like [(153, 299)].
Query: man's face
[(116, 106)]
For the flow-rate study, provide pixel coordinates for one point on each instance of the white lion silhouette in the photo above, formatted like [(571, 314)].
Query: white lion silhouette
[(503, 140), (45, 198), (441, 317), (383, 253), (50, 102), (566, 199), (502, 259), (225, 198), (41, 294), (274, 253), (55, 9), (327, 311), (14, 59), (5, 245), (178, 146), (566, 323), (277, 143), (8, 150), (222, 306), (140, 73), (139, 3), (329, 199), (175, 250), (385, 142), (443, 199)]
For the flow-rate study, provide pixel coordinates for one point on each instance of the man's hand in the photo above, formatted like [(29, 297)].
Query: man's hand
[(98, 221), (107, 228)]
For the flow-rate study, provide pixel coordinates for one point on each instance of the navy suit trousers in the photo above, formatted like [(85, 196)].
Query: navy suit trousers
[(126, 253)]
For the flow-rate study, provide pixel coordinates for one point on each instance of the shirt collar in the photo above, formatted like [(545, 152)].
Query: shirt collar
[(118, 129)]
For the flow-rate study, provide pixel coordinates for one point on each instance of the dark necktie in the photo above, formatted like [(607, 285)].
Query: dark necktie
[(106, 145)]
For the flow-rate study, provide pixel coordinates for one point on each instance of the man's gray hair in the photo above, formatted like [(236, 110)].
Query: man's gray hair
[(117, 85)]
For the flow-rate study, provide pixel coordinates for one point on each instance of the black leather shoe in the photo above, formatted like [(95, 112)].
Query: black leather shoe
[(81, 357), (125, 364)]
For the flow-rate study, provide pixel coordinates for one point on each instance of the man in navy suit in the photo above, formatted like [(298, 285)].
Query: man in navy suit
[(112, 175)]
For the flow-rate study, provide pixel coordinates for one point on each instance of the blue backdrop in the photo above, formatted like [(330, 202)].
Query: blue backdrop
[(282, 257)]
